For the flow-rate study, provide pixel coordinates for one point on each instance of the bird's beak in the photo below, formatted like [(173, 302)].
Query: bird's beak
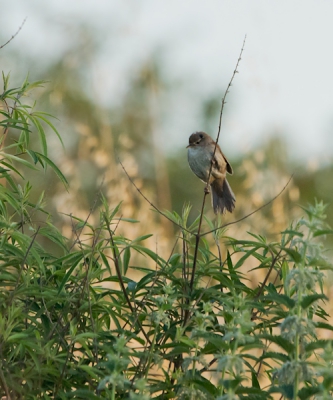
[(188, 146)]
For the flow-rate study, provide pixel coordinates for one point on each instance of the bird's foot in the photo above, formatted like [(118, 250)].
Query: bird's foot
[(207, 190)]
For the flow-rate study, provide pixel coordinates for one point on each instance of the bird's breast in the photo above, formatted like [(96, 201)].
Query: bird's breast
[(199, 161)]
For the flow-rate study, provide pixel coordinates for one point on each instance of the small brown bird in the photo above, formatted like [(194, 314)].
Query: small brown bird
[(200, 152)]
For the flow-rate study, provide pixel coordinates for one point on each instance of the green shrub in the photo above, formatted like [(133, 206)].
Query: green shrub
[(191, 326)]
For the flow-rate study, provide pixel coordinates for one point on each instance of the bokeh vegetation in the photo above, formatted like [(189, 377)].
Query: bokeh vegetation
[(95, 135)]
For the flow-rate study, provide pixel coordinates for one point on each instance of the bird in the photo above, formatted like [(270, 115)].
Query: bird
[(200, 157)]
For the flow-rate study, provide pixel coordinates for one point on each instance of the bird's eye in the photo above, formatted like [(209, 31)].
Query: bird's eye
[(201, 136)]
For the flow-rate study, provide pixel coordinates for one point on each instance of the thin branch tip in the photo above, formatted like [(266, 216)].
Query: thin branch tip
[(148, 201), (198, 235), (253, 212), (15, 34)]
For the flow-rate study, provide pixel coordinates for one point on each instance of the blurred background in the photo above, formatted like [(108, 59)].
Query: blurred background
[(133, 79)]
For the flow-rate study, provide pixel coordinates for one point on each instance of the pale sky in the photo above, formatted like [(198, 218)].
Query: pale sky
[(285, 79)]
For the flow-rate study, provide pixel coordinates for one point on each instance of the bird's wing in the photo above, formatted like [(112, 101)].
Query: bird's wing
[(221, 164), (229, 167)]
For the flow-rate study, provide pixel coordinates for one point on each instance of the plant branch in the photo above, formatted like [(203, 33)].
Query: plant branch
[(15, 34), (197, 240), (221, 112), (251, 213), (261, 289), (206, 190), (121, 282), (149, 202), (34, 236)]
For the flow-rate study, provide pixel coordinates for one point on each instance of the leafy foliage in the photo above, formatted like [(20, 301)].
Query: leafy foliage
[(110, 318)]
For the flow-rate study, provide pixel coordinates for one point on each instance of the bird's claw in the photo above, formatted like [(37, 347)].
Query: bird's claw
[(207, 190)]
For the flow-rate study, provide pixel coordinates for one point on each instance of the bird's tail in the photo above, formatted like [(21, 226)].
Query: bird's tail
[(223, 197)]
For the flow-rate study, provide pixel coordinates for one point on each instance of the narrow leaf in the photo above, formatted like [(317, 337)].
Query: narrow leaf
[(54, 167)]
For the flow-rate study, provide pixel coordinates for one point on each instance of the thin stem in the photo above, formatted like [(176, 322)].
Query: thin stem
[(251, 213), (215, 229), (206, 191), (223, 104), (113, 393), (262, 287), (197, 241), (120, 278), (148, 201), (195, 257), (34, 236), (151, 351), (15, 34)]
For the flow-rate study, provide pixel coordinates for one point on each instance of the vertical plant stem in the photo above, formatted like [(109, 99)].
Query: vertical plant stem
[(151, 351), (197, 241), (113, 393), (120, 278), (301, 266)]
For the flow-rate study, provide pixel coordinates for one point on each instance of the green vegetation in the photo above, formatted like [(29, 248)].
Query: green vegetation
[(94, 306), (100, 315)]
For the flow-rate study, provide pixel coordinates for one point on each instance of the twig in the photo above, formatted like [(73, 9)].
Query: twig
[(15, 34), (4, 384), (197, 239), (144, 300), (149, 202), (74, 231), (224, 102), (143, 303), (251, 213), (121, 282), (34, 236), (262, 287), (206, 190)]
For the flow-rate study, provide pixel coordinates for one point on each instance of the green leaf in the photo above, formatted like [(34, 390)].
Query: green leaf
[(91, 371), (86, 393), (150, 253), (40, 131), (17, 336), (324, 325), (204, 385), (52, 234), (293, 232), (54, 167), (214, 339), (233, 274), (275, 356), (133, 221), (255, 382), (286, 390), (280, 341), (105, 262), (33, 155), (281, 299), (126, 259), (309, 300), (141, 238), (295, 255), (41, 115), (19, 160), (75, 259), (323, 232), (318, 344), (252, 393), (12, 168), (247, 254), (308, 392)]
